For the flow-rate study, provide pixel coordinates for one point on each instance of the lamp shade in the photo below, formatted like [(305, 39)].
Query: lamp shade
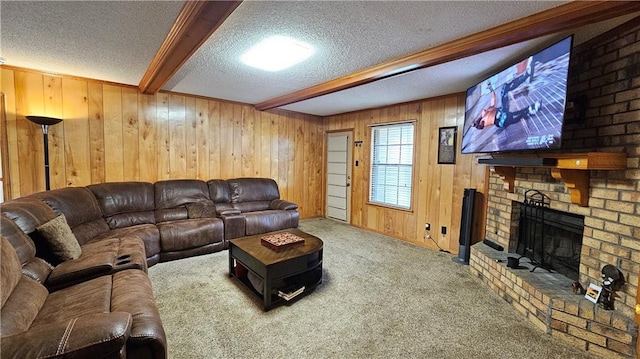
[(42, 120)]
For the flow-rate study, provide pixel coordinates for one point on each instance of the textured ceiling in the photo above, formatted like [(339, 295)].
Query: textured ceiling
[(447, 78), (104, 40), (115, 41), (348, 36)]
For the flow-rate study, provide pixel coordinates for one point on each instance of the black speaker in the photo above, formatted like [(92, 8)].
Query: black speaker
[(466, 226)]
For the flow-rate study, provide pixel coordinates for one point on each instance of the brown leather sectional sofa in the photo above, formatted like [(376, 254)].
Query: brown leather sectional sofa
[(101, 304)]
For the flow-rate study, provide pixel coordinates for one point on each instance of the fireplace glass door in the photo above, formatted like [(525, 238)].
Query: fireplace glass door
[(551, 239)]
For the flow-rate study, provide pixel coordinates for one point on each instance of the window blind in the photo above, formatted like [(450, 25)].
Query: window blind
[(392, 165)]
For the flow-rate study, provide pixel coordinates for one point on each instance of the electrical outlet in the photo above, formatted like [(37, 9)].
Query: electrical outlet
[(443, 230), (427, 226)]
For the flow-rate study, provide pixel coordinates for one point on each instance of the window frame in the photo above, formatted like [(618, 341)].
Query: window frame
[(370, 201)]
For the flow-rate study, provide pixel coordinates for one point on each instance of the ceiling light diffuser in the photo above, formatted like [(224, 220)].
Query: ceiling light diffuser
[(277, 53)]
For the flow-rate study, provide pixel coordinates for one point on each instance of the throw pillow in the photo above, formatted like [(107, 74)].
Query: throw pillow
[(201, 210), (60, 240)]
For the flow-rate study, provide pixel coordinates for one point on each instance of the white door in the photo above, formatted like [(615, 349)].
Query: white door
[(339, 175)]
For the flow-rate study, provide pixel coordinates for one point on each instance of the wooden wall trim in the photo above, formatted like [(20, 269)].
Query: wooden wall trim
[(561, 18), (193, 26)]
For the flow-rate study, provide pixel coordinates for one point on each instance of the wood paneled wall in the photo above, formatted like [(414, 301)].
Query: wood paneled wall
[(115, 133), (438, 189)]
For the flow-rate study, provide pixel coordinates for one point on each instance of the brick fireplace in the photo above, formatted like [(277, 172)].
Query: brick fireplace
[(605, 71)]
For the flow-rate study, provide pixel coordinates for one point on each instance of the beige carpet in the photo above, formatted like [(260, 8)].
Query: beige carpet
[(380, 298)]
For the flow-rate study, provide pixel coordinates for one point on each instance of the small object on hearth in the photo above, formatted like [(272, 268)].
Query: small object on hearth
[(593, 293), (513, 262), (281, 241), (612, 281), (577, 288), (493, 245)]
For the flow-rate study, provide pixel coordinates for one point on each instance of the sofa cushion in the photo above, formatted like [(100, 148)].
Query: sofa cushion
[(100, 335), (90, 297), (174, 193), (21, 297), (171, 214), (88, 230), (148, 233), (148, 339), (124, 220), (252, 206), (62, 243), (28, 213), (219, 191), (253, 189), (129, 251), (22, 244), (269, 221), (11, 270), (30, 325), (22, 306), (32, 266), (125, 204), (182, 199), (81, 209), (190, 233), (205, 209)]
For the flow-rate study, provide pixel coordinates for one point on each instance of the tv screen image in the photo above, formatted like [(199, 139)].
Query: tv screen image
[(521, 107)]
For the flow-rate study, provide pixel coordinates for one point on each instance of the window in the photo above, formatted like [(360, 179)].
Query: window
[(392, 165)]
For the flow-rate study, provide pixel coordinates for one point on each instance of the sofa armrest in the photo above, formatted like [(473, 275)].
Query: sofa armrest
[(37, 269), (104, 256), (234, 226), (80, 270), (282, 204), (90, 336), (227, 212)]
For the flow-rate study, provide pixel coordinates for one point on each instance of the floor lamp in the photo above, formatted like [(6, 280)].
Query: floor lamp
[(45, 122)]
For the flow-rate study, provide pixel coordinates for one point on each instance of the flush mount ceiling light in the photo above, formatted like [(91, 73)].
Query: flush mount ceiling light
[(277, 53)]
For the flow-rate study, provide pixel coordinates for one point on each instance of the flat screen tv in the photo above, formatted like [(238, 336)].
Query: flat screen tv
[(520, 108)]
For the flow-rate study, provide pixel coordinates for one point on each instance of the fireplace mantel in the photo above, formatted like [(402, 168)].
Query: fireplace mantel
[(571, 168)]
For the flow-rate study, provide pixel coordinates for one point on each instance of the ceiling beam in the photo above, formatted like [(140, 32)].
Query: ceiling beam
[(195, 23), (561, 18)]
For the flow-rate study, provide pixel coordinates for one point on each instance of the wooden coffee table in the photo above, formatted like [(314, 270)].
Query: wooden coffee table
[(297, 266)]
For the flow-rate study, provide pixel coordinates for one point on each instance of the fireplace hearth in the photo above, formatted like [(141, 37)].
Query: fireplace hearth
[(545, 297), (550, 239)]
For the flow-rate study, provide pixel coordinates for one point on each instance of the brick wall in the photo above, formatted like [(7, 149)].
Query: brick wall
[(607, 71), (547, 300)]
